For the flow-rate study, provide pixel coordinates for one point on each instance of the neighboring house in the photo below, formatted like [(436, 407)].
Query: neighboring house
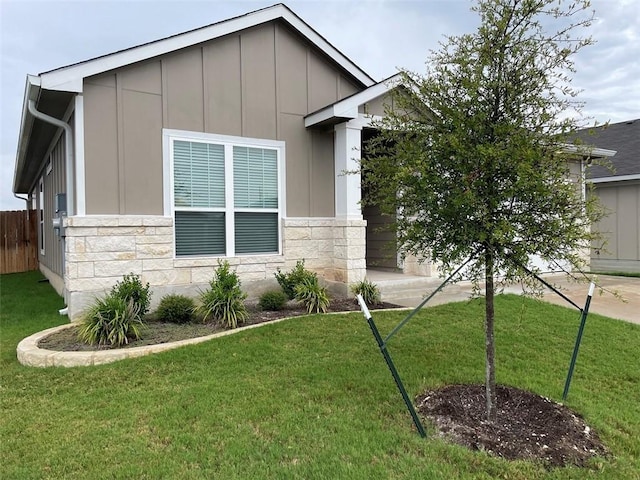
[(228, 141), (619, 192)]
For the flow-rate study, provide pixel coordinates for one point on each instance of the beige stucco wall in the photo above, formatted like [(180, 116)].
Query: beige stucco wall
[(257, 83)]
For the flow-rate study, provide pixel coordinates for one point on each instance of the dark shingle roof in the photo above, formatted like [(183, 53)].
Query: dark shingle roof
[(624, 138)]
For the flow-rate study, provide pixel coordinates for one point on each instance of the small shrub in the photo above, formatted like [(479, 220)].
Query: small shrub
[(223, 301), (297, 276), (176, 309), (273, 300), (369, 291), (131, 288), (312, 295), (111, 321)]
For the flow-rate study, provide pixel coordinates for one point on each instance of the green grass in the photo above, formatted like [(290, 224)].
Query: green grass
[(307, 398)]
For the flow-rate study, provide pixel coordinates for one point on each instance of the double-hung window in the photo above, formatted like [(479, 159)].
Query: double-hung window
[(226, 194)]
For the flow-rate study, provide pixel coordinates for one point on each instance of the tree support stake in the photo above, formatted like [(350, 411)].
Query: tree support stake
[(583, 321), (392, 368)]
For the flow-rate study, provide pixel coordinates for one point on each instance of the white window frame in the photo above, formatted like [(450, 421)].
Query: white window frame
[(41, 221), (169, 136)]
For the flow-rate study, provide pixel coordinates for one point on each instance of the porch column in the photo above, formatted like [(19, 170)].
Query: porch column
[(347, 146), (349, 250)]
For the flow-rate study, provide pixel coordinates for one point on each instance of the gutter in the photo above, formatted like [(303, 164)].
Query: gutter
[(615, 178), (68, 150), (26, 200)]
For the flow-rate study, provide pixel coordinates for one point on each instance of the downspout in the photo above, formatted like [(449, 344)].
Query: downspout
[(26, 201), (68, 151)]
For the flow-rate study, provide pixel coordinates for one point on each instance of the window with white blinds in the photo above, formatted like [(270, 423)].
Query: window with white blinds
[(225, 197)]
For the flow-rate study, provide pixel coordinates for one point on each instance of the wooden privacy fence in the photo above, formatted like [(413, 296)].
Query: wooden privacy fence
[(19, 235)]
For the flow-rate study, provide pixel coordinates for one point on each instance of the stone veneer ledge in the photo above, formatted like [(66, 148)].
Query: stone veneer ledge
[(29, 354)]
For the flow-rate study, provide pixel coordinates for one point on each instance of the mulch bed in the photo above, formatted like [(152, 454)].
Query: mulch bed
[(157, 331), (528, 426)]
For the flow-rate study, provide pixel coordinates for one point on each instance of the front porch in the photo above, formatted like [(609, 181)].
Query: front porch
[(409, 290)]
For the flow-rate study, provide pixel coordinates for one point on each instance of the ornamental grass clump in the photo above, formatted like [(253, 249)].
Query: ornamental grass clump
[(369, 291), (313, 296), (223, 301), (112, 321)]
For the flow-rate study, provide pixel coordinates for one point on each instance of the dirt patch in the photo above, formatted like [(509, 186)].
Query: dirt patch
[(528, 426), (157, 331)]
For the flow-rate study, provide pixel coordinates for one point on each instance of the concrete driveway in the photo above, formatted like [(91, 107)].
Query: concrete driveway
[(603, 302), (627, 307)]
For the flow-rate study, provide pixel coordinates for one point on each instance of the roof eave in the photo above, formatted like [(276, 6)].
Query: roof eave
[(70, 78), (588, 151), (615, 178), (31, 92)]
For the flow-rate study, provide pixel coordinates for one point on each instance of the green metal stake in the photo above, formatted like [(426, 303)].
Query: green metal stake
[(583, 320), (392, 368)]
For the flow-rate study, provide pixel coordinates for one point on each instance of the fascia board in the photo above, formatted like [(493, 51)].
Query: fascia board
[(348, 107), (618, 178), (70, 78), (588, 151), (327, 113)]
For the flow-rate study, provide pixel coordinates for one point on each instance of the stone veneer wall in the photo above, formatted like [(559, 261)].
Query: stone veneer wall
[(335, 248), (101, 249)]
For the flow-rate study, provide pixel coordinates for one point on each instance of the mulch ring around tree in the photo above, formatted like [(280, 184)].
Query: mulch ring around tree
[(528, 426)]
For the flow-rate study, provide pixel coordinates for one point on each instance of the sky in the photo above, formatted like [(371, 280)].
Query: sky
[(380, 36)]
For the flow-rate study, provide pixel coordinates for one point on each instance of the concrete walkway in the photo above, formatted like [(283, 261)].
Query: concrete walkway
[(603, 302)]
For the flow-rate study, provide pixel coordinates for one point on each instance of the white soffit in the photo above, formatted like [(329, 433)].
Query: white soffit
[(70, 78)]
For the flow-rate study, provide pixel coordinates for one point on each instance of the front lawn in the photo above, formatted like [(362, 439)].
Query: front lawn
[(307, 398)]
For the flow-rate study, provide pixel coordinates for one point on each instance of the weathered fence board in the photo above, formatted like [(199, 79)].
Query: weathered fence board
[(19, 236)]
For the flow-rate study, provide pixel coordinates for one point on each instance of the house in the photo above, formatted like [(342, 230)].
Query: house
[(619, 192), (228, 141)]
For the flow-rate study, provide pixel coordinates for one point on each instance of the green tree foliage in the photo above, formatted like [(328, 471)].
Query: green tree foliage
[(473, 156)]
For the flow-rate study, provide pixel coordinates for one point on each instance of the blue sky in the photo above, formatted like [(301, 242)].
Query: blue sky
[(378, 35)]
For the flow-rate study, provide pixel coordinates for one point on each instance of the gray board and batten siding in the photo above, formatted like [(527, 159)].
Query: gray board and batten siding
[(53, 174), (620, 227), (259, 83), (618, 190)]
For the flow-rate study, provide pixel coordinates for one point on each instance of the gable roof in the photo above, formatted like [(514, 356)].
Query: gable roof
[(624, 137), (69, 78), (51, 91)]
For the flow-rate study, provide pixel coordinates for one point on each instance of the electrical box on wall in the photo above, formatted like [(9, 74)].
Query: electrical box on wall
[(60, 206)]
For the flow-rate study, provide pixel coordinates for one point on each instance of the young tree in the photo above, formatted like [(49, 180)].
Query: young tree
[(470, 159)]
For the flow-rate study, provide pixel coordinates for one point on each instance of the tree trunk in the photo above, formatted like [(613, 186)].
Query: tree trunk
[(490, 367)]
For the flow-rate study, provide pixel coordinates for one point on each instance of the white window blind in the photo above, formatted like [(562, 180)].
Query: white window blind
[(226, 199)]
